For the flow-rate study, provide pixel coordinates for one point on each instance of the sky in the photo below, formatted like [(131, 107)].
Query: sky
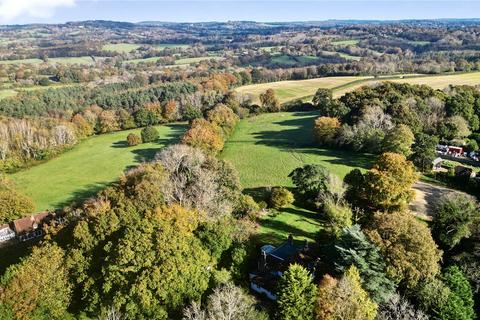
[(58, 11)]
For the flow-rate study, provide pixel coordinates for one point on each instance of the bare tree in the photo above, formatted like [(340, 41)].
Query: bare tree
[(398, 308), (227, 302)]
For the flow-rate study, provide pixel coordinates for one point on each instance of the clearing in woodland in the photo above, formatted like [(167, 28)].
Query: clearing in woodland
[(266, 148)]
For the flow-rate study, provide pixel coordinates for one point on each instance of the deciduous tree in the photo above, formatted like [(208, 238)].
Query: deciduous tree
[(344, 299), (406, 244)]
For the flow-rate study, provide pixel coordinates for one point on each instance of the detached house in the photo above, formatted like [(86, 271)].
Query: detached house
[(26, 228), (274, 261)]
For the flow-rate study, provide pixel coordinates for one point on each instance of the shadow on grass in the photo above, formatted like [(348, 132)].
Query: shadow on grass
[(82, 194), (148, 154), (300, 140)]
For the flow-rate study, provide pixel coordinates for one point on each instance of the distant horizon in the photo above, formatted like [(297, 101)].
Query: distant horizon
[(228, 21), (16, 12)]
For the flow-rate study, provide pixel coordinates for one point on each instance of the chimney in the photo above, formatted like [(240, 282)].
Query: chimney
[(290, 239)]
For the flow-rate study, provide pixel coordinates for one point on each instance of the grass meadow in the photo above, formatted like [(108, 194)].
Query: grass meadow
[(266, 148), (88, 167)]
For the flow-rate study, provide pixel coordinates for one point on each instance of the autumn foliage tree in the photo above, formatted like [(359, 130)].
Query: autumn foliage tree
[(407, 246), (270, 101), (325, 130), (344, 299), (223, 117), (205, 136), (13, 204), (36, 288), (385, 187)]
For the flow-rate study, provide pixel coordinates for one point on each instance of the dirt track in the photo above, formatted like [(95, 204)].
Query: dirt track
[(425, 199)]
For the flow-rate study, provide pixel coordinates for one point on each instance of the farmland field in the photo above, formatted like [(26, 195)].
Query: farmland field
[(290, 90), (266, 148), (351, 42), (121, 47), (304, 89), (65, 60), (88, 167), (195, 60), (178, 62)]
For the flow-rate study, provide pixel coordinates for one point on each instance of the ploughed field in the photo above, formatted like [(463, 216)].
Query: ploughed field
[(305, 89), (88, 167), (266, 148)]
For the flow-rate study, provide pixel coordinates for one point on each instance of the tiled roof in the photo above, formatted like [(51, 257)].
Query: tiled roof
[(28, 224)]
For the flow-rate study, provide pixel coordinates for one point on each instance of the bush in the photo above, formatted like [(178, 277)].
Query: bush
[(133, 139), (281, 198), (149, 134)]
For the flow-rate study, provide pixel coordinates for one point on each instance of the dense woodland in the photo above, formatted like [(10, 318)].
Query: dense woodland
[(176, 237)]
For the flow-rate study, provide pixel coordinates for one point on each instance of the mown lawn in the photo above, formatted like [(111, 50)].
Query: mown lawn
[(90, 166), (266, 148)]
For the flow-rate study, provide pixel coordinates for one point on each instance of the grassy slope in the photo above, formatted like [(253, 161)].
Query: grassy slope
[(66, 60), (88, 167), (266, 148)]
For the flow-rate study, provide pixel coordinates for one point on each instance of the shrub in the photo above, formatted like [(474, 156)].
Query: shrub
[(149, 134), (281, 198), (338, 216), (133, 139)]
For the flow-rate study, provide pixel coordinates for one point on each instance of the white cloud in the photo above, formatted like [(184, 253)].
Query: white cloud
[(11, 9)]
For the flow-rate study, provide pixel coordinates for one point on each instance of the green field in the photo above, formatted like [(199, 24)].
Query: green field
[(90, 166), (66, 60), (121, 47), (195, 60), (22, 61), (6, 93), (266, 148), (350, 42)]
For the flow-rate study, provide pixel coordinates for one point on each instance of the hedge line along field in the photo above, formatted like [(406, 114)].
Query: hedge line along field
[(305, 89), (88, 167), (266, 148)]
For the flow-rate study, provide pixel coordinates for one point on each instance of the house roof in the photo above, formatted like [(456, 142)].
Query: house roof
[(437, 161), (27, 224)]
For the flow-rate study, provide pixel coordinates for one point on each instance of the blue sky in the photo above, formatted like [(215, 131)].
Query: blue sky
[(52, 11)]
